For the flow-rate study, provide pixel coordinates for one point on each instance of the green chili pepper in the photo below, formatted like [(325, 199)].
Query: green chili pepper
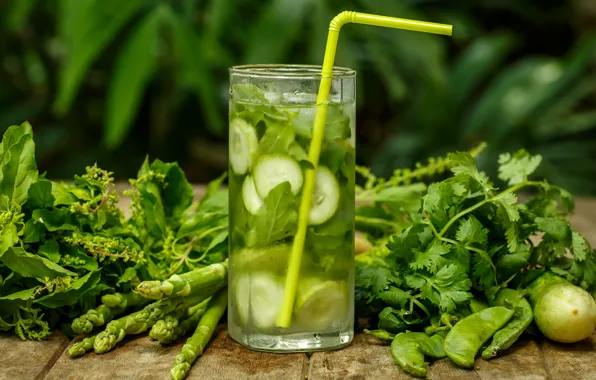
[(465, 338), (505, 337), (408, 350)]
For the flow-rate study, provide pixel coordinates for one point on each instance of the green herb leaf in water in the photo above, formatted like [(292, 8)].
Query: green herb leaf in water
[(277, 217)]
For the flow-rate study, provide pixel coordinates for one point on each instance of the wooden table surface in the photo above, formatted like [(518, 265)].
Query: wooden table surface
[(365, 358)]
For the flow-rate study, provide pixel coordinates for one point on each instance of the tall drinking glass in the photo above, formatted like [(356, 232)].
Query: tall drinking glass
[(272, 112)]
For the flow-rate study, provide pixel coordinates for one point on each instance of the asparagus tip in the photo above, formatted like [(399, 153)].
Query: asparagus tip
[(81, 326), (179, 371), (76, 350), (104, 343), (150, 289)]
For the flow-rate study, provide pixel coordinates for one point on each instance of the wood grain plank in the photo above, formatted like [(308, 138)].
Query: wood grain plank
[(227, 360), (29, 359), (137, 358), (366, 358), (571, 361), (445, 369), (522, 361), (584, 219)]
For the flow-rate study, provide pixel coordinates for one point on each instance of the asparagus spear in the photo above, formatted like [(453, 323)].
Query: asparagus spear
[(95, 318), (166, 330), (211, 278), (196, 343), (139, 321), (124, 300), (80, 348)]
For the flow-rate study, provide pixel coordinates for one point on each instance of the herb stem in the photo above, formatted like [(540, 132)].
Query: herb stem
[(374, 221), (420, 305), (488, 200)]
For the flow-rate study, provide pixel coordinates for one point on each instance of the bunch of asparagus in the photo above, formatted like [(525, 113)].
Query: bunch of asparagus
[(193, 301)]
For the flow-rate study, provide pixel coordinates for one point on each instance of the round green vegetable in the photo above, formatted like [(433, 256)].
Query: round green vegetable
[(566, 313)]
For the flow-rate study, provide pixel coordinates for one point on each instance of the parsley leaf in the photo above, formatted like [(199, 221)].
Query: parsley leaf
[(472, 232), (579, 246), (557, 229), (515, 169), (431, 259)]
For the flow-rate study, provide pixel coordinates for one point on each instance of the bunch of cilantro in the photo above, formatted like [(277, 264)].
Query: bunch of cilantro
[(63, 245), (463, 239)]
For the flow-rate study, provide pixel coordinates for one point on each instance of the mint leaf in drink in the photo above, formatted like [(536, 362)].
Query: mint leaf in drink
[(18, 169), (337, 123), (277, 217), (246, 92), (277, 138), (333, 157), (297, 152)]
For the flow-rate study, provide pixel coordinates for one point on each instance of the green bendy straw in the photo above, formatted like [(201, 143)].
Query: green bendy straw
[(285, 316)]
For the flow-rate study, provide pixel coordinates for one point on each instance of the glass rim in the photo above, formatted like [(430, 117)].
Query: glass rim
[(290, 71)]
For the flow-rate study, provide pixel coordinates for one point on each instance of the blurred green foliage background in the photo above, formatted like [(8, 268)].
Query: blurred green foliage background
[(110, 81)]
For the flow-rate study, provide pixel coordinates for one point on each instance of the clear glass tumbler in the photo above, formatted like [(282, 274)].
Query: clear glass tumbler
[(272, 111)]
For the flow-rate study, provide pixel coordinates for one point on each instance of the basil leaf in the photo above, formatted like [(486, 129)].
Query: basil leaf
[(8, 230), (75, 257), (29, 265), (50, 250), (18, 169), (129, 274), (55, 220), (177, 194), (33, 232), (62, 195), (40, 195), (72, 294)]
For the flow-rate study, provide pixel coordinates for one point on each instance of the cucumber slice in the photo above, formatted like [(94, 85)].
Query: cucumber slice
[(325, 197), (273, 258), (259, 297), (271, 170), (251, 199), (243, 145), (320, 303)]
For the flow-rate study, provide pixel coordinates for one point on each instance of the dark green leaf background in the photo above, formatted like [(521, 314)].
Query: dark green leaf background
[(112, 81)]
